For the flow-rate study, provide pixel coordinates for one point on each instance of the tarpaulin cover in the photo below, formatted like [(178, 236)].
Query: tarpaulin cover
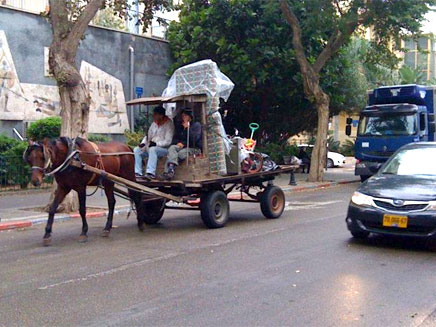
[(204, 77)]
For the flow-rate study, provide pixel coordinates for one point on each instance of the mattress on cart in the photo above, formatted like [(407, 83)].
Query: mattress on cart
[(205, 77)]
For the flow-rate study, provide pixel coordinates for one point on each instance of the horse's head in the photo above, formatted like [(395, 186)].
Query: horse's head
[(38, 156)]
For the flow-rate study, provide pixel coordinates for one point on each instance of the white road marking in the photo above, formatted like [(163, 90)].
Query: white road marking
[(298, 205), (176, 254), (156, 259)]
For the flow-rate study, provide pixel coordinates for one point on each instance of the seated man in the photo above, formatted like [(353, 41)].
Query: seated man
[(181, 148), (304, 156), (155, 144)]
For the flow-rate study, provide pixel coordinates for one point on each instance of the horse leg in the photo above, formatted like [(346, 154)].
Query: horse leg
[(137, 199), (82, 209), (60, 194), (109, 190)]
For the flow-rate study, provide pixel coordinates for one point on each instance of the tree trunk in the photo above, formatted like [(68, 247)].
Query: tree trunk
[(74, 103), (319, 153)]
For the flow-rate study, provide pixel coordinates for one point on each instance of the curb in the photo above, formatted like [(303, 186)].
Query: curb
[(41, 220), (15, 224), (312, 187), (31, 221)]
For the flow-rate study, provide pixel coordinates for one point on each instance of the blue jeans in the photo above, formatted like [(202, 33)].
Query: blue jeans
[(153, 154)]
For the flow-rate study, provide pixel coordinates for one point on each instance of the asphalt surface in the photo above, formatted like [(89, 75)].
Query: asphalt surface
[(300, 270)]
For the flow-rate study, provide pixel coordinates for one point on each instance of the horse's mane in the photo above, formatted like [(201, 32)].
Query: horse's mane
[(64, 140), (80, 141)]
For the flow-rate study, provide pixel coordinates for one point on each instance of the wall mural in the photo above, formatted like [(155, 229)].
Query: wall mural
[(108, 107), (29, 102), (12, 99)]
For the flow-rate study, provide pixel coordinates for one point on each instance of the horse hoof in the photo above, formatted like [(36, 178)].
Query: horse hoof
[(141, 227), (46, 241), (83, 238), (105, 233)]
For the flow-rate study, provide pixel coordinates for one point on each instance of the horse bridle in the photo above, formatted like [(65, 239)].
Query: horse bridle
[(47, 158)]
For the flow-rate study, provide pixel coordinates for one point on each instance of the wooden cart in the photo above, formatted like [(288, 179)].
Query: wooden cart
[(196, 187)]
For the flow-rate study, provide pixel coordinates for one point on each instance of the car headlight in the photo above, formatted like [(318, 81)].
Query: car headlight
[(431, 206), (361, 199)]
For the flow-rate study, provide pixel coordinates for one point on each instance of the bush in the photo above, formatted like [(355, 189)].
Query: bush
[(143, 122), (277, 151), (7, 143), (274, 151), (133, 139), (347, 148), (13, 170), (48, 127), (290, 150), (332, 145), (99, 138)]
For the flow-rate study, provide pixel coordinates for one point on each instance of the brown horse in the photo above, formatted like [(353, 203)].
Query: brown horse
[(51, 155)]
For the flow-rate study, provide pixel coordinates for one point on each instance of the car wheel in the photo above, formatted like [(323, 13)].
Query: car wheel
[(360, 235), (330, 163)]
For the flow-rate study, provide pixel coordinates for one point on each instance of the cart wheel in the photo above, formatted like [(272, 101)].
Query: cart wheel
[(215, 209), (152, 211), (272, 202)]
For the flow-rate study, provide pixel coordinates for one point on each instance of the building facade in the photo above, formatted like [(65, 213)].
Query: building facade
[(28, 92), (157, 28), (421, 55)]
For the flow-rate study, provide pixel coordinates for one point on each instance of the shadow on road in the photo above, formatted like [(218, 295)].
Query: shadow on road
[(395, 243)]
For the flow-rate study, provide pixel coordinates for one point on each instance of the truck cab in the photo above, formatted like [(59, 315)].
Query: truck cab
[(395, 116)]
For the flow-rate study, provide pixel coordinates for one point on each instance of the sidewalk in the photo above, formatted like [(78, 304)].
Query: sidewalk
[(18, 210)]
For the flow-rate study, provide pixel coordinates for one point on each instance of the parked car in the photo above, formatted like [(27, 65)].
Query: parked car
[(400, 199), (334, 159)]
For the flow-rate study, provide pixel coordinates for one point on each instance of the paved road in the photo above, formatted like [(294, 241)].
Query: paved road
[(300, 270)]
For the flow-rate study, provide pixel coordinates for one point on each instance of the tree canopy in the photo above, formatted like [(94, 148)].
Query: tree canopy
[(250, 42), (334, 22)]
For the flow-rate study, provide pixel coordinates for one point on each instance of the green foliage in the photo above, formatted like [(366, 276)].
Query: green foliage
[(143, 122), (333, 145), (378, 69), (347, 148), (290, 150), (274, 150), (120, 9), (48, 127), (108, 18), (233, 34), (13, 170), (7, 143), (411, 75), (277, 151), (251, 42), (133, 139), (99, 138)]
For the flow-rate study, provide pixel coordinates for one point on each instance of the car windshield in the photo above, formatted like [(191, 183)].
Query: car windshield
[(388, 125), (418, 161)]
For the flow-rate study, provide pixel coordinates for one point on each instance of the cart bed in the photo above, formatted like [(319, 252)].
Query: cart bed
[(230, 179)]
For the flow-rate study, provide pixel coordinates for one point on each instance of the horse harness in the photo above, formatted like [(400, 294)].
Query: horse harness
[(73, 153), (99, 163)]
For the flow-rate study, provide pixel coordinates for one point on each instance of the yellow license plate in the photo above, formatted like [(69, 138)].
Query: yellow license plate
[(395, 221)]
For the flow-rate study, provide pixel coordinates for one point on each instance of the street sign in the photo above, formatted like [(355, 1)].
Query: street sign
[(139, 91)]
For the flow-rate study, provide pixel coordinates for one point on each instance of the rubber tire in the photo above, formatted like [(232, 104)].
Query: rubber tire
[(272, 202), (360, 235), (330, 163), (152, 211), (208, 208), (364, 178)]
